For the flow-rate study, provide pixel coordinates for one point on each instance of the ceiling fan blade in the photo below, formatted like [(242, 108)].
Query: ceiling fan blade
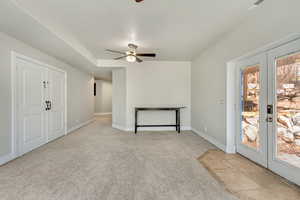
[(139, 60), (146, 54), (113, 51), (258, 2), (138, 1), (120, 57)]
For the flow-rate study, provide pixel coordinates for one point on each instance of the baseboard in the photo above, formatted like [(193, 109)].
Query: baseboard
[(80, 125), (100, 114), (210, 139), (6, 158), (230, 149), (122, 128)]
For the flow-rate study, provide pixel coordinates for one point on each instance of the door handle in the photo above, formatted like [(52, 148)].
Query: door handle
[(47, 105), (270, 109)]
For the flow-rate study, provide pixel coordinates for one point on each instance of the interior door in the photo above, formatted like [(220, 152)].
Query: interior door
[(284, 95), (56, 88), (252, 102), (31, 106)]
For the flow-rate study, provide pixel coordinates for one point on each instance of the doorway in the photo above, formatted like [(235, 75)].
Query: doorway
[(268, 109)]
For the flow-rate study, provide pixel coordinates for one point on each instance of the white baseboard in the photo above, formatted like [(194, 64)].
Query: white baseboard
[(230, 149), (6, 158), (122, 128), (210, 139), (80, 125), (100, 114), (184, 128)]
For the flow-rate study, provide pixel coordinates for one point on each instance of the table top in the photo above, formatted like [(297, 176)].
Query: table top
[(160, 108)]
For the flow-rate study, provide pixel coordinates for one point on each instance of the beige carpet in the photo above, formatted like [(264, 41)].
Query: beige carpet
[(101, 163)]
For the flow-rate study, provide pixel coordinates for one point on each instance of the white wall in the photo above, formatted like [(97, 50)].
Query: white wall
[(103, 99), (79, 86), (119, 101), (272, 21), (155, 83)]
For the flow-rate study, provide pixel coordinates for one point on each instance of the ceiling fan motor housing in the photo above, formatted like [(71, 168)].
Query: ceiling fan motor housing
[(132, 46)]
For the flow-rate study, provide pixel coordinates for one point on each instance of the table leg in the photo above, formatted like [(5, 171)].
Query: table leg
[(176, 113), (135, 123), (179, 128)]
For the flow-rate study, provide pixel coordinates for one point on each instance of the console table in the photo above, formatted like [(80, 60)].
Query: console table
[(177, 115)]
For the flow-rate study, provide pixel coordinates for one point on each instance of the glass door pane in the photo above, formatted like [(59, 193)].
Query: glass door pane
[(288, 109), (250, 106)]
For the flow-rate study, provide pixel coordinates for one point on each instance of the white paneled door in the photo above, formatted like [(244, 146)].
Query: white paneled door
[(31, 98), (40, 104), (56, 88)]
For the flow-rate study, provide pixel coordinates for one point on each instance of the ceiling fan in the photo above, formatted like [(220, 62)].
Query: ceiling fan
[(131, 55)]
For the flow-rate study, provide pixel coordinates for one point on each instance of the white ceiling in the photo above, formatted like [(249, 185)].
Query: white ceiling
[(175, 29), (19, 24)]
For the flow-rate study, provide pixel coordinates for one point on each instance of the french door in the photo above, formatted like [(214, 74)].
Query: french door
[(252, 97), (284, 95), (40, 104), (269, 110)]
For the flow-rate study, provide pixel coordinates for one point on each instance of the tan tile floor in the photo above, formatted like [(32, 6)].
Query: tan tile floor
[(246, 180)]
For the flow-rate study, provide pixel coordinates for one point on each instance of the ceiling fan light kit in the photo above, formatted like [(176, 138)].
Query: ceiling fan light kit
[(131, 58)]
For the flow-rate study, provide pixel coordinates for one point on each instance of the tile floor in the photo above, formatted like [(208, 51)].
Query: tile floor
[(245, 179)]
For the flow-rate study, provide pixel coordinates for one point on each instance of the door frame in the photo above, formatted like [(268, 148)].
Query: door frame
[(15, 152)]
